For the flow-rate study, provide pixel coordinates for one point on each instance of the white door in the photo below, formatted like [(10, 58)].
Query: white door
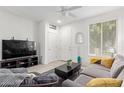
[(52, 45)]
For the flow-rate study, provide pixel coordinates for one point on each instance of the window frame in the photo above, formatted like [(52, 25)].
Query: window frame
[(116, 40)]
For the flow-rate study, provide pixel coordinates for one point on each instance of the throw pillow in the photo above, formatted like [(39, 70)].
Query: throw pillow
[(104, 82), (107, 61), (95, 59)]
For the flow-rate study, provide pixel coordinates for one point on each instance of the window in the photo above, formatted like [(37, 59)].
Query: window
[(102, 37)]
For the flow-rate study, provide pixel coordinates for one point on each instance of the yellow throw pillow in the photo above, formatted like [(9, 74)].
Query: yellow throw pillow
[(107, 61), (95, 59), (104, 82)]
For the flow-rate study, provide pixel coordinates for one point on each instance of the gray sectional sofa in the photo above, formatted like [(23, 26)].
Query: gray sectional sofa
[(98, 71)]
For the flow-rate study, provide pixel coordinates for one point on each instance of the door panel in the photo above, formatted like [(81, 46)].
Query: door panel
[(52, 46)]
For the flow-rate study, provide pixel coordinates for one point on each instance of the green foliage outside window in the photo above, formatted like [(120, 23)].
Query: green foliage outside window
[(102, 36)]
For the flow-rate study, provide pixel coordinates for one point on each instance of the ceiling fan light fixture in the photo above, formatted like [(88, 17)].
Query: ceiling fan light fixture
[(59, 21)]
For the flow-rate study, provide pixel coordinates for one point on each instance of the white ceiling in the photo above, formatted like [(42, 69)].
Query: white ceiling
[(48, 13)]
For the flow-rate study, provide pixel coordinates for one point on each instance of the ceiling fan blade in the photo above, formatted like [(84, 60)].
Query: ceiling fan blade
[(66, 8), (65, 11), (73, 8), (71, 14)]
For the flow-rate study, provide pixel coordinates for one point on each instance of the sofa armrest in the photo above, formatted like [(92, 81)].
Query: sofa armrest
[(69, 83)]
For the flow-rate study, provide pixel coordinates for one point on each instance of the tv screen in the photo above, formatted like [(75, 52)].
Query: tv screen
[(17, 48)]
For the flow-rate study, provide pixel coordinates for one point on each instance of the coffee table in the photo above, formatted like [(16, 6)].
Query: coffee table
[(65, 71)]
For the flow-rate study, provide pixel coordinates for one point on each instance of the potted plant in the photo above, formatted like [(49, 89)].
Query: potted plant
[(69, 62)]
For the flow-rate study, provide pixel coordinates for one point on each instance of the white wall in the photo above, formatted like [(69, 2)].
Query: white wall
[(82, 26), (19, 27), (69, 49)]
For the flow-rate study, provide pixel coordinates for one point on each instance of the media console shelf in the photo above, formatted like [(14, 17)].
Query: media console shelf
[(19, 62)]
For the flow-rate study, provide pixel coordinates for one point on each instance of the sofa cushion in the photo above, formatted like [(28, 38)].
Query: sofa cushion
[(94, 72), (69, 83), (98, 66), (116, 68), (83, 79), (104, 82), (119, 57)]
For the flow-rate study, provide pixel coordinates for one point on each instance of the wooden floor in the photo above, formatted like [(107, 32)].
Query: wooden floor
[(43, 68)]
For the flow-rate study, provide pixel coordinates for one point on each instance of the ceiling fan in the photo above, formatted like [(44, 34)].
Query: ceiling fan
[(66, 11)]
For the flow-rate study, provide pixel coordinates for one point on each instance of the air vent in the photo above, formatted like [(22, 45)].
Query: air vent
[(52, 26)]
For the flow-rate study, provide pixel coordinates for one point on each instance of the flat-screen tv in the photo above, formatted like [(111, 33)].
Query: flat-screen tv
[(17, 48)]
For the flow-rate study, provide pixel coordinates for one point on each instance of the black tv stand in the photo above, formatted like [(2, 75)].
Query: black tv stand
[(19, 62)]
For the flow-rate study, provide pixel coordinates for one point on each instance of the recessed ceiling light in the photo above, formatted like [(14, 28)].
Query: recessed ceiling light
[(59, 21)]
